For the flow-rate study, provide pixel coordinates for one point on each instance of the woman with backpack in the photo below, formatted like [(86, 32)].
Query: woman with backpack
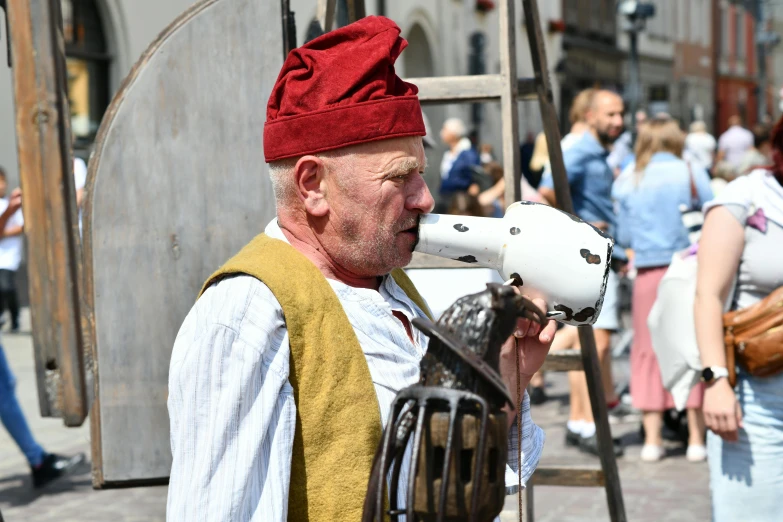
[(649, 195)]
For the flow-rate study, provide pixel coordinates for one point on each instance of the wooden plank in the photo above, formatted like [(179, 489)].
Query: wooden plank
[(468, 89), (563, 361), (176, 186), (325, 11), (508, 101), (49, 202), (590, 363), (458, 89), (356, 10), (573, 476), (595, 389)]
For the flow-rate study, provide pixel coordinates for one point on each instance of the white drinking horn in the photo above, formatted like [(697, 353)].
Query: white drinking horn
[(556, 256)]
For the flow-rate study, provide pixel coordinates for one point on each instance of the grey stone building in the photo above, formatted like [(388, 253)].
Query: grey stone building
[(104, 38)]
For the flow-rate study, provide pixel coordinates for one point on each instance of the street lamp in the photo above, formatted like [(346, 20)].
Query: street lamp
[(635, 17)]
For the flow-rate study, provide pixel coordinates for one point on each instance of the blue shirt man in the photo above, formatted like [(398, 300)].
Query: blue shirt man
[(590, 178)]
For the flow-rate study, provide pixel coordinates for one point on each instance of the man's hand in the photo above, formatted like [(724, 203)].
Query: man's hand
[(722, 412), (532, 340)]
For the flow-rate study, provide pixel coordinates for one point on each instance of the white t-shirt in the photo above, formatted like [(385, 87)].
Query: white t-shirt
[(700, 147), (11, 247), (735, 142)]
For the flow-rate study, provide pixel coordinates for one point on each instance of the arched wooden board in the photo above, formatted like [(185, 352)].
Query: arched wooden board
[(177, 185)]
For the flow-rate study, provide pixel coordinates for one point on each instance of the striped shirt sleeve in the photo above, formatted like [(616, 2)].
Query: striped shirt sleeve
[(231, 408)]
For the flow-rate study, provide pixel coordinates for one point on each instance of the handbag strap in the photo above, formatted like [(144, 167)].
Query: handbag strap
[(694, 191)]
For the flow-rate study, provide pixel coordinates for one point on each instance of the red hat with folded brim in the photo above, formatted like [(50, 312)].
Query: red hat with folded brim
[(340, 89)]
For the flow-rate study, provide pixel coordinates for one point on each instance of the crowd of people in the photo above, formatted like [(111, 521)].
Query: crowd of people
[(652, 196)]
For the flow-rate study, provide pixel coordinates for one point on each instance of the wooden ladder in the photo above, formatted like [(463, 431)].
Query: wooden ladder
[(509, 89)]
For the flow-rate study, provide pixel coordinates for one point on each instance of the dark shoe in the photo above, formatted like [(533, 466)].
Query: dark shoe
[(538, 396), (572, 438), (623, 413), (54, 467), (590, 445), (14, 328)]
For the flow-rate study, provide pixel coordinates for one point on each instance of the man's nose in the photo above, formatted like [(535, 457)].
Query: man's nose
[(419, 198)]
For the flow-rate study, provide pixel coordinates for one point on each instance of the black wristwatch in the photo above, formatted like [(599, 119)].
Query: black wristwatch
[(711, 374)]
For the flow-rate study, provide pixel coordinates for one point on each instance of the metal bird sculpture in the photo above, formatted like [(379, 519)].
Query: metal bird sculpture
[(452, 418)]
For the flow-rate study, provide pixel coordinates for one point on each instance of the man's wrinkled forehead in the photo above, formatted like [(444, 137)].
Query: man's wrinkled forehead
[(398, 154)]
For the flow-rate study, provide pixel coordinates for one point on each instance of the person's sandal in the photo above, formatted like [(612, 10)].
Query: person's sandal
[(696, 453), (652, 453)]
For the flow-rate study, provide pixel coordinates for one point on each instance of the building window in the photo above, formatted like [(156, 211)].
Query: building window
[(87, 61), (739, 33)]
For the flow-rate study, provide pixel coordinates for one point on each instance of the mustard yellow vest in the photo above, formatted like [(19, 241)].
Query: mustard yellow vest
[(338, 424)]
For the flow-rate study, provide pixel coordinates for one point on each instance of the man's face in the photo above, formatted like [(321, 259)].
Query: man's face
[(375, 200), (606, 117), (3, 187)]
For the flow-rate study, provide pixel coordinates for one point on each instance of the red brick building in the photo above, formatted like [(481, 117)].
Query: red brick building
[(736, 88)]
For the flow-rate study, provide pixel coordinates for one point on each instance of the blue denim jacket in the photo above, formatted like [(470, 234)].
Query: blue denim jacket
[(648, 211), (590, 179)]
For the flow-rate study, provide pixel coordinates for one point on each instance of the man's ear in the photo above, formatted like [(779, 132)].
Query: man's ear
[(309, 178)]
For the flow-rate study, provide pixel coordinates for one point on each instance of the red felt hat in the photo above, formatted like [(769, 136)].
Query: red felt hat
[(340, 89)]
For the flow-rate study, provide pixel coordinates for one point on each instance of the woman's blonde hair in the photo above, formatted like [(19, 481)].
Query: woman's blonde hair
[(540, 153), (658, 135)]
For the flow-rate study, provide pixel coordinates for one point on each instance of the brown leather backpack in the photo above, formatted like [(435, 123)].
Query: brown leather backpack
[(754, 337)]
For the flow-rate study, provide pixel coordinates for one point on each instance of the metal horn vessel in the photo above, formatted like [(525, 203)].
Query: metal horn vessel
[(450, 427)]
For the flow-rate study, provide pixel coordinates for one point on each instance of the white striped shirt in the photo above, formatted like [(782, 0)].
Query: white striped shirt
[(231, 404)]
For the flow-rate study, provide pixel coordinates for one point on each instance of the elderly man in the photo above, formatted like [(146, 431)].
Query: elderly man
[(285, 369), (459, 162)]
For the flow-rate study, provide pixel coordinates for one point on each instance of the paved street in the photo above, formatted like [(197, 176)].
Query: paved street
[(672, 490)]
